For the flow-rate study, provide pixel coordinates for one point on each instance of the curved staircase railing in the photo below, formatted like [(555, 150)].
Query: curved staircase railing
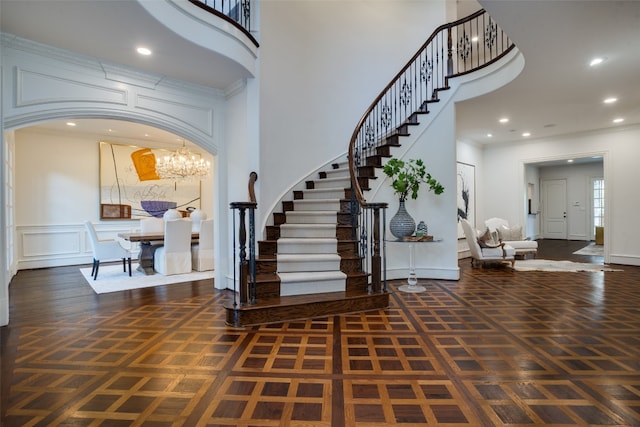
[(478, 42), (453, 49), (236, 12)]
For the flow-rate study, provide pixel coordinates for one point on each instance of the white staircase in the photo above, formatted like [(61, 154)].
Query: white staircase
[(307, 250)]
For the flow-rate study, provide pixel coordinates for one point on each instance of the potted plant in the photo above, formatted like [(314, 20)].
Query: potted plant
[(407, 177)]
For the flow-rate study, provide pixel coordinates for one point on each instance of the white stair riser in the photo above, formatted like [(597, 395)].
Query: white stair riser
[(307, 246), (316, 205), (332, 183), (308, 288), (307, 231), (311, 218), (307, 266), (338, 173), (324, 193)]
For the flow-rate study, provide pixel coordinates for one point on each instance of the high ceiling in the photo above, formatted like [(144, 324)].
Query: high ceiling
[(556, 94)]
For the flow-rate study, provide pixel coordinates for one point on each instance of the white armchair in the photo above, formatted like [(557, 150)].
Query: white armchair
[(512, 236), (175, 256), (106, 250), (501, 253)]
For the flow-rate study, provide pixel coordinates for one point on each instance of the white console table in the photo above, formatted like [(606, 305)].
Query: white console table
[(412, 280)]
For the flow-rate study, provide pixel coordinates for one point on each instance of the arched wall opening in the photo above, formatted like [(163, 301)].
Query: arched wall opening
[(42, 84), (58, 177), (69, 229)]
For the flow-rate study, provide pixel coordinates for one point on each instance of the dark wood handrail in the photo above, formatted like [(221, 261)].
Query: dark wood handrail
[(431, 56), (243, 24), (253, 177)]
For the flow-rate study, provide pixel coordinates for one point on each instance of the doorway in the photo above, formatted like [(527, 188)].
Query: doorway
[(567, 197), (554, 209)]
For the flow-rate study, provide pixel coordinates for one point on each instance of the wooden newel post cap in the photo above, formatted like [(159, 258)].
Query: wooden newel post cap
[(243, 205)]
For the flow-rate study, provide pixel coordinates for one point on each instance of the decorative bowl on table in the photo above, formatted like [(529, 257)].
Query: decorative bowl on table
[(157, 208)]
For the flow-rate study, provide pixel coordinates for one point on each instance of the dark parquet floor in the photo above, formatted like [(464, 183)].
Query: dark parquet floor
[(495, 348)]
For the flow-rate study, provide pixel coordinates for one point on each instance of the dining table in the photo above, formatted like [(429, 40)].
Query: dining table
[(149, 242)]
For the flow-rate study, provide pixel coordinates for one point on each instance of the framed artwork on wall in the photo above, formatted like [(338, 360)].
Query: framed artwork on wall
[(131, 188), (466, 195)]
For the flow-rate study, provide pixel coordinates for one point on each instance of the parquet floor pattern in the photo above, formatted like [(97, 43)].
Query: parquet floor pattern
[(496, 348)]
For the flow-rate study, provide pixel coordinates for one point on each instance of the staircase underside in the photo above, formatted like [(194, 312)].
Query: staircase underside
[(297, 307)]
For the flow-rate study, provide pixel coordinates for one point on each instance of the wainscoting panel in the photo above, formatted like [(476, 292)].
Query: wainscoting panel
[(59, 245), (38, 88), (50, 243)]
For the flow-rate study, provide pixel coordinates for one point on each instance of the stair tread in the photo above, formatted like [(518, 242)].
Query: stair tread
[(318, 201), (307, 240), (310, 225), (311, 212), (311, 276), (308, 257)]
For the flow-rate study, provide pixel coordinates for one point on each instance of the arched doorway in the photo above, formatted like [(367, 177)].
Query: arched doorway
[(36, 145)]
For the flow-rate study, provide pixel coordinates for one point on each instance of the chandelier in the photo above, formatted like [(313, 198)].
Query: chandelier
[(182, 164)]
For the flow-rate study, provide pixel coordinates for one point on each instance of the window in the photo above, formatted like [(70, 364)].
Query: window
[(598, 202)]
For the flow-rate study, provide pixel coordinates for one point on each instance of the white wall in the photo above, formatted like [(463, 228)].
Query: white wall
[(504, 185), (470, 153), (321, 64)]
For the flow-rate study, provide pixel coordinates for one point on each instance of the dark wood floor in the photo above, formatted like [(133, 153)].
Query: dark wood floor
[(497, 347)]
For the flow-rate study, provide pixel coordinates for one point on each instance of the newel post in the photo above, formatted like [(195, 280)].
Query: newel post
[(378, 282), (246, 266)]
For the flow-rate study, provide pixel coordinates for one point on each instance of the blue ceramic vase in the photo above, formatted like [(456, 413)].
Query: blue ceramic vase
[(402, 224)]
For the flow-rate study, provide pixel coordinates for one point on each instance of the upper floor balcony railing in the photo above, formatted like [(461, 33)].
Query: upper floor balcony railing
[(237, 12)]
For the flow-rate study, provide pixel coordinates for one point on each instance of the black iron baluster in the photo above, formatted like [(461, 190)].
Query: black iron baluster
[(246, 267)]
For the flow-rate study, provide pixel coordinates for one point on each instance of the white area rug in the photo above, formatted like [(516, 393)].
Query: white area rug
[(111, 278), (551, 265), (591, 249)]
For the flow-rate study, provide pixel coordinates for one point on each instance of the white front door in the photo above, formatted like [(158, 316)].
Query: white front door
[(554, 209)]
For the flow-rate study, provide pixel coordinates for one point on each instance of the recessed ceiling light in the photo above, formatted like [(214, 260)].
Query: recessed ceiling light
[(596, 61), (526, 134), (71, 124), (618, 120), (610, 100), (143, 51), (570, 161), (504, 120), (490, 135)]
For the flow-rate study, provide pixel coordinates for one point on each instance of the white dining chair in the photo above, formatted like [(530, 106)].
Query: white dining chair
[(197, 216), (152, 225), (175, 256), (106, 250), (202, 252)]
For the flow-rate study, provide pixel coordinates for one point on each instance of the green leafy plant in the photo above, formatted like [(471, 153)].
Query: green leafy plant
[(408, 176)]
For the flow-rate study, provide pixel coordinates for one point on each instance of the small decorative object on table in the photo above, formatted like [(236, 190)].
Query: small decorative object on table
[(422, 229), (416, 238)]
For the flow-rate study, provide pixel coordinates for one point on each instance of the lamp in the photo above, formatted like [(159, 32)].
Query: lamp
[(182, 164)]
